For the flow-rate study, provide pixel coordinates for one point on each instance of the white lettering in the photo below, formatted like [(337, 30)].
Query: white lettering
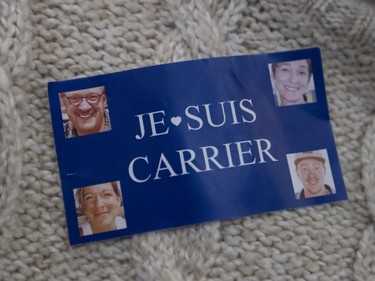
[(241, 153), (193, 117), (264, 150), (131, 170), (167, 166), (154, 123), (189, 161), (211, 158), (248, 110)]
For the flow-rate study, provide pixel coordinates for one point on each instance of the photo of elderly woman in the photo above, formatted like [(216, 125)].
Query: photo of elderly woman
[(99, 208), (292, 82)]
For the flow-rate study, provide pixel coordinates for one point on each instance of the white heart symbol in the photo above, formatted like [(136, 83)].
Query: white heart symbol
[(176, 120)]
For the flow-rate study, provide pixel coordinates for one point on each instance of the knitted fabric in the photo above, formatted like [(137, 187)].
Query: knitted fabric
[(48, 40)]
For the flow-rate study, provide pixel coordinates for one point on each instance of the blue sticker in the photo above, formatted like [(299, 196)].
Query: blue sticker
[(191, 142)]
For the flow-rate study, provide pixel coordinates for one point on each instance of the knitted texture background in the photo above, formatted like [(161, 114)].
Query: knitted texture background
[(47, 40)]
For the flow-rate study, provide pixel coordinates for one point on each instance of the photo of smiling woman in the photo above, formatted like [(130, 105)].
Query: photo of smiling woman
[(293, 82), (85, 112), (99, 208)]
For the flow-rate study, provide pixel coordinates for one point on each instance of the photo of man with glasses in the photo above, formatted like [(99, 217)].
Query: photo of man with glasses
[(85, 112)]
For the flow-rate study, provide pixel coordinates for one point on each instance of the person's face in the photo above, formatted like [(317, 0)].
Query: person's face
[(101, 205), (311, 173), (87, 112), (291, 81)]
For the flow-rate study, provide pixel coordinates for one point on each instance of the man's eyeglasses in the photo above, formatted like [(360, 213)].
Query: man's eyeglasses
[(91, 99)]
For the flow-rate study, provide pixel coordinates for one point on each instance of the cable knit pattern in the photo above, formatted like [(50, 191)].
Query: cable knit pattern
[(48, 40), (13, 56)]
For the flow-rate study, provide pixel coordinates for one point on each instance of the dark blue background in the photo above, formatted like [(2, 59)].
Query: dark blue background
[(196, 197)]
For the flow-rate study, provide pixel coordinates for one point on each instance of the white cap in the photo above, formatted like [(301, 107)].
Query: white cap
[(309, 155)]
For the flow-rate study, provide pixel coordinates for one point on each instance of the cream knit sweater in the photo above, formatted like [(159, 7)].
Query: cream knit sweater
[(47, 40)]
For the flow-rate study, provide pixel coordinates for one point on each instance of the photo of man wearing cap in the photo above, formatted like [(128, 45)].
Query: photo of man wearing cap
[(310, 167)]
